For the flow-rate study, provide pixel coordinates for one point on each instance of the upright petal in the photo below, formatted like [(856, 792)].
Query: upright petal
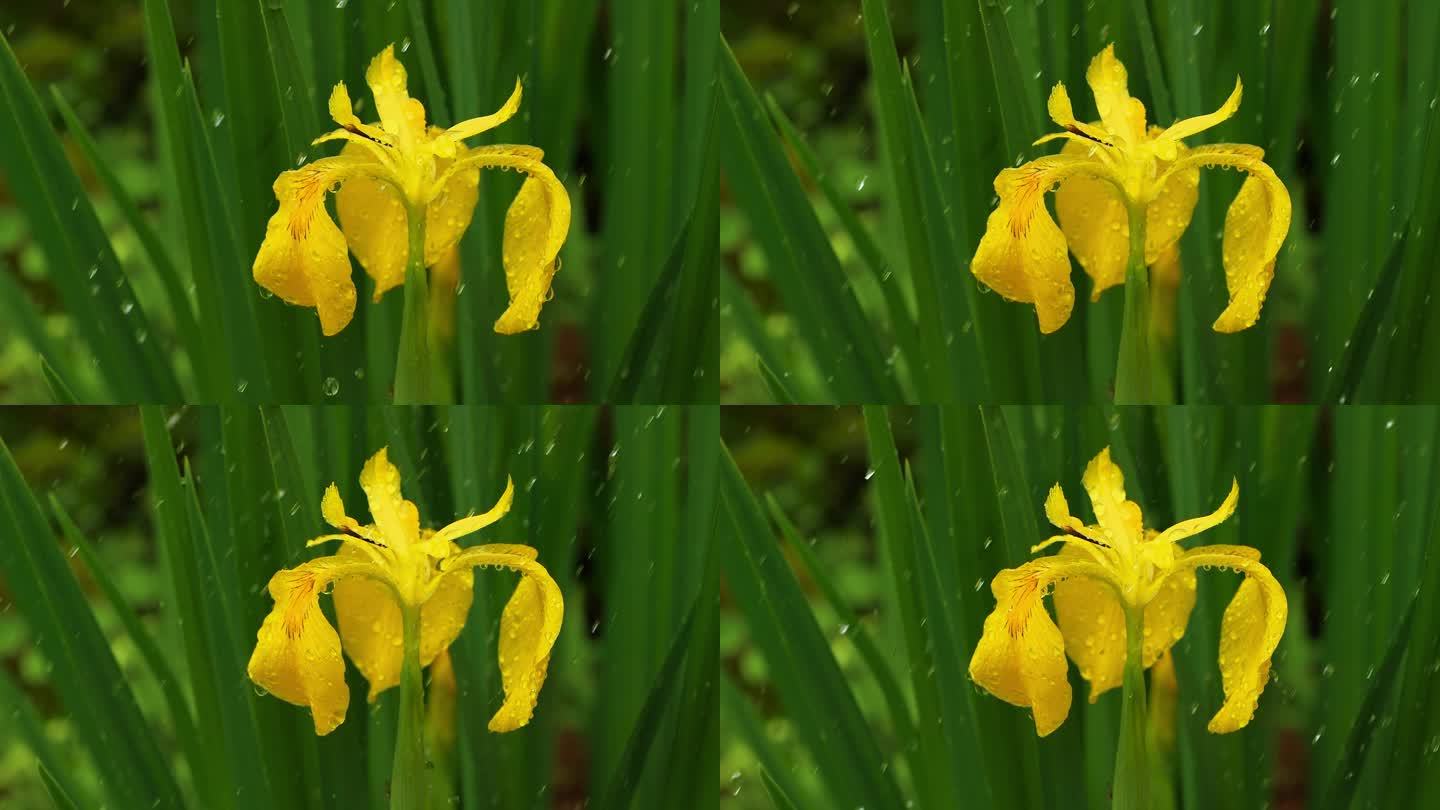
[(1020, 657), (400, 115), (1194, 526), (397, 519), (1093, 625), (528, 629), (343, 113), (297, 652), (1124, 116), (1186, 127), (1095, 223), (372, 215), (1063, 114), (1249, 632), (474, 126), (302, 258), (440, 543), (1120, 518), (1255, 228)]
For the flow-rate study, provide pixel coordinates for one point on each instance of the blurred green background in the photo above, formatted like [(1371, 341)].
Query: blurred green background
[(194, 106), (856, 590), (619, 502), (863, 137)]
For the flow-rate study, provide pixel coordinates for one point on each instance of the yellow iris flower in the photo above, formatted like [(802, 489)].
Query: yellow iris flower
[(388, 170), (381, 568), (1105, 170), (1102, 572)]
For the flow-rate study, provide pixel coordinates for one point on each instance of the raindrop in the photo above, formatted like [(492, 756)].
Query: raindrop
[(241, 386), (331, 386), (217, 118)]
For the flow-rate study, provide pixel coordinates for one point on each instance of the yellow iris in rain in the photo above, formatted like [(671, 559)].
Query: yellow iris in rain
[(1109, 172), (389, 170), (382, 569), (1103, 571)]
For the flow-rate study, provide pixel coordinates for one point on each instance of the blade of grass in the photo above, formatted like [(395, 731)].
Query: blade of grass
[(802, 263), (21, 316), (131, 769), (26, 724)]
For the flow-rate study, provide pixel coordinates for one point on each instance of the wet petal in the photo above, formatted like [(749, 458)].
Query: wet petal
[(1249, 632), (528, 629), (1093, 625), (1095, 223), (1194, 526), (449, 213), (396, 519), (297, 652), (443, 615), (438, 544), (371, 626), (1169, 214), (1020, 657), (373, 217), (1168, 614), (400, 115), (1124, 116), (474, 126), (1063, 114), (302, 258), (1255, 228), (1120, 518), (1186, 127)]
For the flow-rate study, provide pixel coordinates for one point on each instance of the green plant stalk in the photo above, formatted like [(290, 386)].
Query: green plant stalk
[(408, 777), (415, 378), (1132, 368), (1131, 790)]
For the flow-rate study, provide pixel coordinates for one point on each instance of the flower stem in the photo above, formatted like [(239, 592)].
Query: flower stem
[(1131, 790), (408, 778), (1132, 367), (419, 373)]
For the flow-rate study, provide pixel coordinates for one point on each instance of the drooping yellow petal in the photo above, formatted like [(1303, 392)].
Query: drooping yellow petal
[(1095, 223), (442, 617), (302, 258), (535, 229), (1124, 116), (1168, 215), (1168, 614), (1186, 127), (1249, 632), (297, 652), (1255, 228), (1093, 625), (528, 629), (371, 627), (1120, 518), (372, 216), (400, 115), (1022, 255), (449, 214), (1020, 657), (1193, 526), (438, 544), (396, 519)]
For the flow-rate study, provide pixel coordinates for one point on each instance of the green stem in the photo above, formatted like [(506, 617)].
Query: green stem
[(408, 777), (1132, 774), (1132, 368), (414, 377)]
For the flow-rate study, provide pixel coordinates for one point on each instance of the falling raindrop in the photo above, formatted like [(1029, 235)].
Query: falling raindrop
[(331, 386)]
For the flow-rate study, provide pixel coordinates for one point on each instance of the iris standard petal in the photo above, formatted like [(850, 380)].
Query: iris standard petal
[(1194, 526), (396, 519), (1095, 223), (1120, 518), (1063, 114), (400, 115), (1093, 625), (474, 126), (297, 652), (1021, 658), (1186, 127), (528, 629), (438, 544), (1124, 116)]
